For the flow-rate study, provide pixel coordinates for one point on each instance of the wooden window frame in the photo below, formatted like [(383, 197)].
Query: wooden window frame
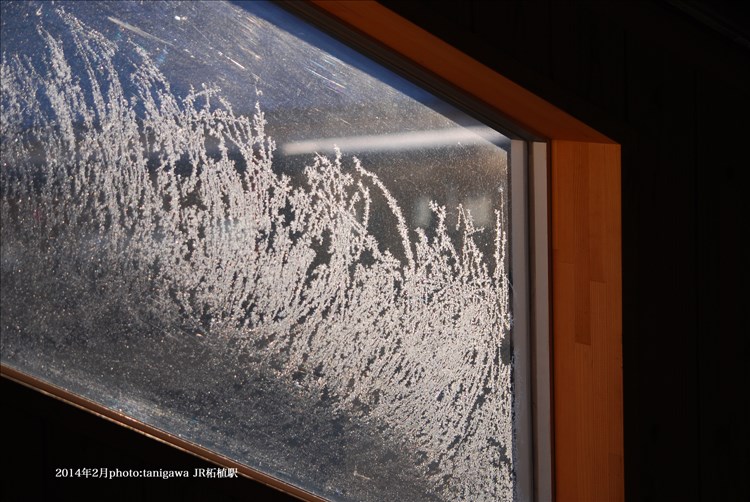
[(585, 255), (584, 258)]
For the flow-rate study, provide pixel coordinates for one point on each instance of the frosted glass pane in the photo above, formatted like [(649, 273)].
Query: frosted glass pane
[(225, 224)]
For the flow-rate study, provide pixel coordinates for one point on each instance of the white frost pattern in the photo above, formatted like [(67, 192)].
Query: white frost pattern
[(175, 200)]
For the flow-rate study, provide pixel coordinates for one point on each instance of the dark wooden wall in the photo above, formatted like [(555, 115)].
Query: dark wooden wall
[(674, 90)]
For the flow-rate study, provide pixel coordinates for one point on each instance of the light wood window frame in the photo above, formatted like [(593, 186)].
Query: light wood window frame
[(584, 253)]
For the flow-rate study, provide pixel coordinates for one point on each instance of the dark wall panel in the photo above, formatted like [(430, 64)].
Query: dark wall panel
[(723, 328)]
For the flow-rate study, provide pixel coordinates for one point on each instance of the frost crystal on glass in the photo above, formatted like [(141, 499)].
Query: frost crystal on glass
[(155, 259)]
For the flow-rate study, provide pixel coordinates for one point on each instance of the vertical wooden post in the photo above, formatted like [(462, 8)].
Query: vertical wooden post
[(587, 321)]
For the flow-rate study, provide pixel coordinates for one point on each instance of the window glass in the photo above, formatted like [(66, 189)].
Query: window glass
[(225, 224)]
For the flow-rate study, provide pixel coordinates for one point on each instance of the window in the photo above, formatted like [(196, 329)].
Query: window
[(223, 224), (188, 197)]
